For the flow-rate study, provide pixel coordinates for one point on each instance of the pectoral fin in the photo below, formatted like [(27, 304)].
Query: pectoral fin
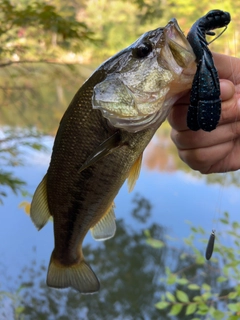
[(134, 173), (39, 211), (106, 227), (104, 149)]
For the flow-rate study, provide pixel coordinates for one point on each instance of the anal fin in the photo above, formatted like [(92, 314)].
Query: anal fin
[(134, 173), (106, 227), (39, 211)]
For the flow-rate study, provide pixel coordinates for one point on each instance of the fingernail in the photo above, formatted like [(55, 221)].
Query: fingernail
[(227, 90)]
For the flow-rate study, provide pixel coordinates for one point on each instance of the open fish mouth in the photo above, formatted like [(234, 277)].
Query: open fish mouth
[(178, 44), (134, 98)]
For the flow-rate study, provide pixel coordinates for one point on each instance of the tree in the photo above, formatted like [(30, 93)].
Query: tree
[(34, 37), (43, 48)]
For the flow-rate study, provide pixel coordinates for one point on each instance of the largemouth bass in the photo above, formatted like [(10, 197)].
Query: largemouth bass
[(99, 144)]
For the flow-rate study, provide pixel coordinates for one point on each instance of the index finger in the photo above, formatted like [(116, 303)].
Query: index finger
[(228, 67)]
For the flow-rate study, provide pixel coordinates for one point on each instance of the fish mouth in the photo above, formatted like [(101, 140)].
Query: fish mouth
[(141, 94), (177, 45)]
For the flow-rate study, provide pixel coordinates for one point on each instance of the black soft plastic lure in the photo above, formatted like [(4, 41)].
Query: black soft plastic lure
[(210, 246), (205, 103)]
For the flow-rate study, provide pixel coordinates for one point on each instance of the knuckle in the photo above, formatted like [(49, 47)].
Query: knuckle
[(235, 129), (174, 137), (195, 158), (229, 111)]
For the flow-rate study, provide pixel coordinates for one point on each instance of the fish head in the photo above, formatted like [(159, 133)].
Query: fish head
[(143, 81)]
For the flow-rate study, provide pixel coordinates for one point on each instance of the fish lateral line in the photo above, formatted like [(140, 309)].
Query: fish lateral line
[(106, 147), (210, 246)]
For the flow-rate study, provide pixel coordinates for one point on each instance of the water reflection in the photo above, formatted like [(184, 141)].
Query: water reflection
[(129, 270), (162, 155), (166, 194), (38, 94)]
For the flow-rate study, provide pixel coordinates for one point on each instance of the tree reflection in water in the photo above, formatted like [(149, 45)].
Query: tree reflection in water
[(129, 271), (161, 155)]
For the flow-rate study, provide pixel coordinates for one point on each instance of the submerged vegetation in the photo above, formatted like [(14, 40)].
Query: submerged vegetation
[(151, 277), (213, 291)]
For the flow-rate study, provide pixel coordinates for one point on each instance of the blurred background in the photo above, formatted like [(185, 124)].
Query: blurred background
[(154, 267)]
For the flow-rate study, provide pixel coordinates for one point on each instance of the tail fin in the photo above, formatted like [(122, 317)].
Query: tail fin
[(79, 276)]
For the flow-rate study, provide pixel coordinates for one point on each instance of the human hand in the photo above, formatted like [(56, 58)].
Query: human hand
[(218, 150)]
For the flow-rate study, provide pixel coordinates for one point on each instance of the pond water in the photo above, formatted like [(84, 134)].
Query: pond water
[(165, 196)]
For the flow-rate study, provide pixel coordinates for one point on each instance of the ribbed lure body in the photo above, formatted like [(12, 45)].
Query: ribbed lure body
[(205, 103)]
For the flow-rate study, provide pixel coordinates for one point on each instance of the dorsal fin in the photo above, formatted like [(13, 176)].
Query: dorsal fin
[(39, 211), (134, 173), (106, 227)]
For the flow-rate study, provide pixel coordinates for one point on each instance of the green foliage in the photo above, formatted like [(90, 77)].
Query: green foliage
[(34, 31), (198, 296), (8, 179), (37, 29), (149, 10), (14, 143)]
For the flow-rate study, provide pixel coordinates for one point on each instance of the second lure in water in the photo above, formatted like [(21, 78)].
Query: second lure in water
[(210, 246)]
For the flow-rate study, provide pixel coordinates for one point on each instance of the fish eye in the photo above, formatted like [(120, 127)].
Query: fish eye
[(142, 50)]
